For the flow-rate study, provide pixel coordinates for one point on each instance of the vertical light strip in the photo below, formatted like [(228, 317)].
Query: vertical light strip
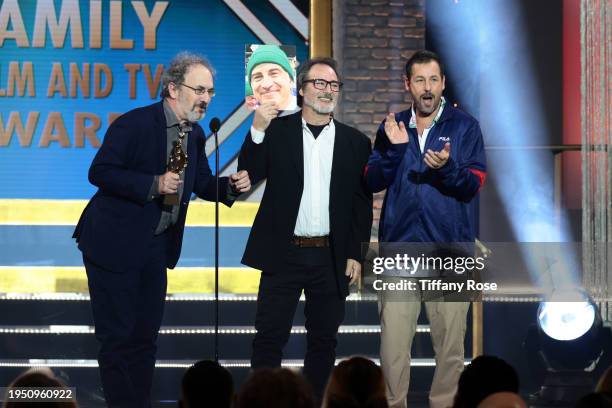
[(596, 51), (320, 28), (477, 329)]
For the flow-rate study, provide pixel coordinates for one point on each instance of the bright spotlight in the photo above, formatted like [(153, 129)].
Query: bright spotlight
[(566, 320), (570, 330)]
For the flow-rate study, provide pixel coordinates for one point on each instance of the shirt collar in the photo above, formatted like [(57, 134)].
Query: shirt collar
[(413, 124), (172, 120), (330, 124)]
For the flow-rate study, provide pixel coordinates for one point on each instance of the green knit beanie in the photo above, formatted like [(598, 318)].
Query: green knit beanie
[(269, 54)]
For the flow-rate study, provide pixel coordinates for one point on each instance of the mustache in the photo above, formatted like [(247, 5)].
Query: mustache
[(427, 94), (327, 95), (202, 105)]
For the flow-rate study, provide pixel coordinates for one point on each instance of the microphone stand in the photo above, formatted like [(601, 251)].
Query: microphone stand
[(216, 246), (215, 125)]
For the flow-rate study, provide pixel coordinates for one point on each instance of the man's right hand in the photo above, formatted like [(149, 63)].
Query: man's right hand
[(264, 115), (169, 183), (396, 133)]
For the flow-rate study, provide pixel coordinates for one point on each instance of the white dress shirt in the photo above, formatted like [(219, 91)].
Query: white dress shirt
[(313, 215)]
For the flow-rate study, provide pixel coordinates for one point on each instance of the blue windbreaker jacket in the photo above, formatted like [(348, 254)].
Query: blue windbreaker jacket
[(422, 204)]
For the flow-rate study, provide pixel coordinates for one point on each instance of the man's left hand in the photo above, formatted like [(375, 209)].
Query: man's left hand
[(353, 270), (436, 160), (240, 182)]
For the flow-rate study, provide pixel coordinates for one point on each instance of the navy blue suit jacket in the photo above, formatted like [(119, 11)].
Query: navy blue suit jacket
[(117, 225)]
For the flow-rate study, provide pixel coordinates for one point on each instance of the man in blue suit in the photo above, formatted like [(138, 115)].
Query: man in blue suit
[(130, 232)]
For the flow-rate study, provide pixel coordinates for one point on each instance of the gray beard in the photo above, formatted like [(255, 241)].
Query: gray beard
[(319, 109), (193, 116)]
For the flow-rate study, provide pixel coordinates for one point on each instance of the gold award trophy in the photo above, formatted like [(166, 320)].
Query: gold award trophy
[(176, 164)]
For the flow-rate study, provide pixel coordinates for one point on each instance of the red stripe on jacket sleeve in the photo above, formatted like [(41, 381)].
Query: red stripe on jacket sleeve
[(481, 176)]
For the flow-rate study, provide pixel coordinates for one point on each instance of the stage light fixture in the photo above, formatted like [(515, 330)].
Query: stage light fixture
[(569, 340), (570, 331)]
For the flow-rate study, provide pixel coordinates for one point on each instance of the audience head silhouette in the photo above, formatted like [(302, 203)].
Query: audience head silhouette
[(355, 383), (484, 376), (503, 400), (275, 388), (207, 384)]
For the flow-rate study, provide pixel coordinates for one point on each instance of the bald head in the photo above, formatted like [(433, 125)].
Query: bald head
[(503, 400)]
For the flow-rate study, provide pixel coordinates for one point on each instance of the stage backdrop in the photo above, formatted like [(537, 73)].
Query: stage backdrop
[(68, 68)]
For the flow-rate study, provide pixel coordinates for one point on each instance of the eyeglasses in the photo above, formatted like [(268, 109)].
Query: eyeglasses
[(321, 84), (201, 91)]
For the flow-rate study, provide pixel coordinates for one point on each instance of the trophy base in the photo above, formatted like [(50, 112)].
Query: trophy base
[(171, 199)]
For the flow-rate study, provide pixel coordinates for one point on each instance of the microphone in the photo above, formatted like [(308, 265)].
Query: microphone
[(214, 125)]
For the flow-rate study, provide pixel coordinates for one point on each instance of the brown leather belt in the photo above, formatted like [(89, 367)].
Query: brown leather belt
[(311, 242)]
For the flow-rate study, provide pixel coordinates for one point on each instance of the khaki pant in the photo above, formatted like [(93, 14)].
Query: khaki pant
[(398, 321)]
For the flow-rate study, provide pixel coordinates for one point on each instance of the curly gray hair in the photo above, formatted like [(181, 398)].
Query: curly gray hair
[(178, 67)]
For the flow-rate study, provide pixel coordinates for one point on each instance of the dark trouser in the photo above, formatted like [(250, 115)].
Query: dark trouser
[(127, 311), (310, 269)]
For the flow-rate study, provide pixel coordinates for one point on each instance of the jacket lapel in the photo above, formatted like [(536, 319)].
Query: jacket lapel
[(342, 148), (161, 137), (192, 162), (296, 141)]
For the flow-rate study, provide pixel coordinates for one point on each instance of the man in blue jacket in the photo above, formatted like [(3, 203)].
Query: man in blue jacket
[(431, 161), (130, 232)]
